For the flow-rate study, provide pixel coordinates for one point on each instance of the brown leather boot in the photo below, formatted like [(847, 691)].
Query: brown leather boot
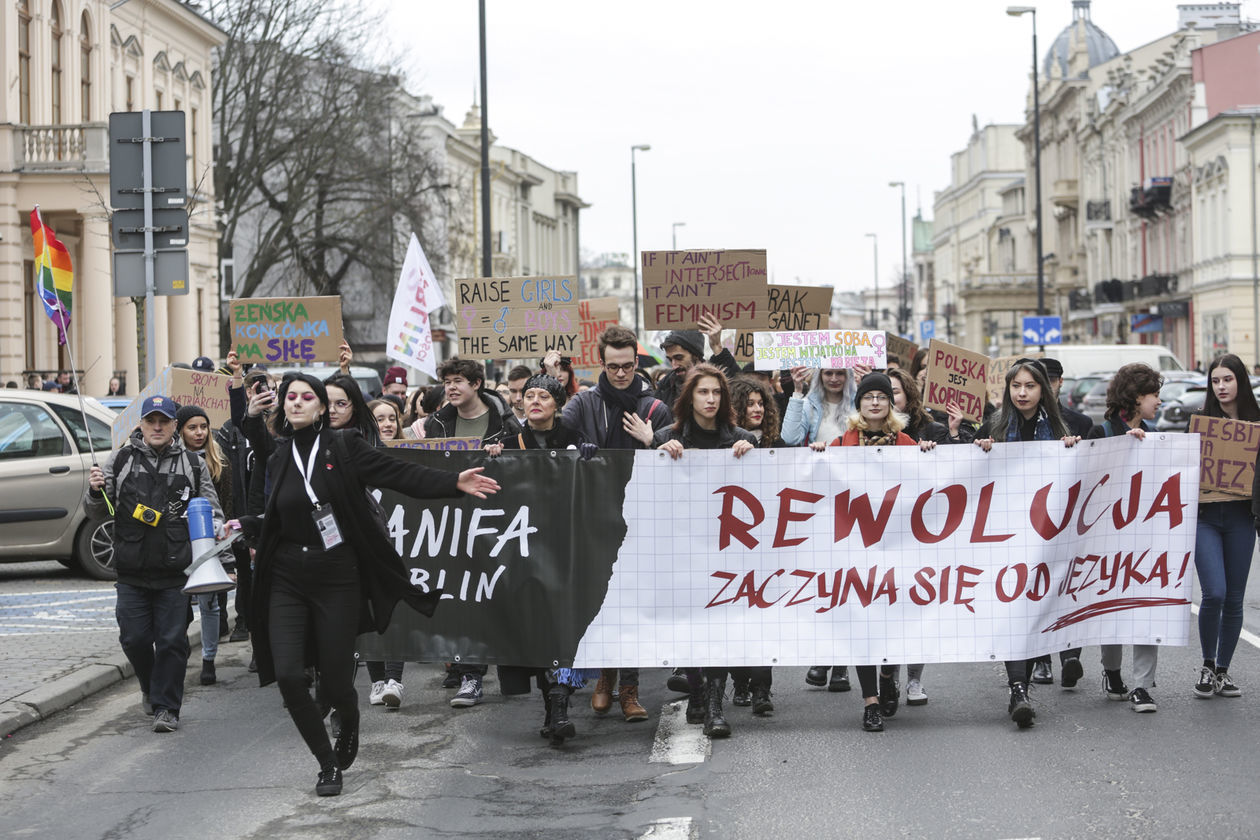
[(630, 705), (601, 700)]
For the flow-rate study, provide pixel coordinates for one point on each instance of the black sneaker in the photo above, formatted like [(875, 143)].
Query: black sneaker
[(329, 782), (1226, 687), (165, 721), (678, 682), (1206, 684), (452, 678), (240, 633), (839, 679), (1141, 701), (889, 695), (1020, 708), (1114, 685), (871, 719), (1042, 673), (1071, 673), (816, 676)]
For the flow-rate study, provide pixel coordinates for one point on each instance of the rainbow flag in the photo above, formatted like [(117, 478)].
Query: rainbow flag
[(54, 277)]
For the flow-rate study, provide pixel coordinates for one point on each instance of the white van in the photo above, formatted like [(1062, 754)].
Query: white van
[(1080, 359)]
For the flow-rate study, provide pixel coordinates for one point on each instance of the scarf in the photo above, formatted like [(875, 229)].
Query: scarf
[(870, 438), (1040, 432), (619, 402)]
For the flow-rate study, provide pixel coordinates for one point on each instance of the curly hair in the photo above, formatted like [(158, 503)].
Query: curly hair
[(471, 370), (915, 412), (683, 405), (1131, 383), (742, 387)]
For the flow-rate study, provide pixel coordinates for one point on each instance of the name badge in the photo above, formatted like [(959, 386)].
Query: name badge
[(326, 522)]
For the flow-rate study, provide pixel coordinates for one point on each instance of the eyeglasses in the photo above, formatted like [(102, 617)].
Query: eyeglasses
[(628, 367), (875, 397), (306, 397)]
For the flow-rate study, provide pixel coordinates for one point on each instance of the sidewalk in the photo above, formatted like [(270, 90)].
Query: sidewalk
[(46, 672)]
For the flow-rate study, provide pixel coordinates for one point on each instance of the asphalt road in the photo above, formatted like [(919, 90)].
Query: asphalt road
[(953, 768)]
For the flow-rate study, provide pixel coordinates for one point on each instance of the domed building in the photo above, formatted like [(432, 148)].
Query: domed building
[(1080, 37)]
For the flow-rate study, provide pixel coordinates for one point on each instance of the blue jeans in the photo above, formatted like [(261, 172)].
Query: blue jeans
[(153, 632), (1222, 556), (208, 607)]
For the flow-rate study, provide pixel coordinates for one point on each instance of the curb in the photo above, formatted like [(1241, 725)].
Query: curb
[(60, 694)]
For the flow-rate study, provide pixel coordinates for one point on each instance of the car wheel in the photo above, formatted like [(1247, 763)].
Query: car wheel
[(94, 549)]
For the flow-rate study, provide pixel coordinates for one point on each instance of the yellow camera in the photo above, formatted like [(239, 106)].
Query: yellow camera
[(147, 515)]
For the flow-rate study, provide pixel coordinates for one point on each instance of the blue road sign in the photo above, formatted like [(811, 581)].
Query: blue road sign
[(1046, 330), (927, 330)]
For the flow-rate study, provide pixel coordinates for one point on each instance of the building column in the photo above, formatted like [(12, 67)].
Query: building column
[(93, 286), (182, 315), (12, 282)]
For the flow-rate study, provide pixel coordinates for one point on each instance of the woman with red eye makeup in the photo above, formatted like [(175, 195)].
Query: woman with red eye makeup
[(325, 569)]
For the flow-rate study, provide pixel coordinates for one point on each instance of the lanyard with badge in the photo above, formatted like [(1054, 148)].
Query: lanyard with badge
[(325, 521)]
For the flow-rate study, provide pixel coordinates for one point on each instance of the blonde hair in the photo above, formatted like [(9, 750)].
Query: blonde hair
[(212, 454), (895, 423)]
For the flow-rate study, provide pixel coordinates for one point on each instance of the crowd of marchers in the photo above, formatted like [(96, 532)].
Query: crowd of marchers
[(293, 467)]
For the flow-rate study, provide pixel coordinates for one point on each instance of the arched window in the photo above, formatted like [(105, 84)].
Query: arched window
[(54, 23), (24, 61), (85, 68)]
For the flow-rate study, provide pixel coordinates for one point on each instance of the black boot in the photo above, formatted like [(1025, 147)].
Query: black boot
[(743, 690), (545, 732), (561, 726), (695, 706), (761, 704), (1021, 708), (715, 725)]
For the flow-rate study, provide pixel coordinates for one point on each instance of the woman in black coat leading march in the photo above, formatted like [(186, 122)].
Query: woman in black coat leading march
[(325, 570)]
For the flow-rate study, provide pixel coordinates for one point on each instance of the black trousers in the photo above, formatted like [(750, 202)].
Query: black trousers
[(1019, 670), (314, 607)]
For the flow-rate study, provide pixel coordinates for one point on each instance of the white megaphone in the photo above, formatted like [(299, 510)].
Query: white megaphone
[(205, 573)]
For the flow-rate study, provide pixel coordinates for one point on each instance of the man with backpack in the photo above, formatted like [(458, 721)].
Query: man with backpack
[(149, 482), (619, 413)]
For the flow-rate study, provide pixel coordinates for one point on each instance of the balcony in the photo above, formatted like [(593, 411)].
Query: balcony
[(1064, 193), (1154, 199), (81, 147), (998, 282)]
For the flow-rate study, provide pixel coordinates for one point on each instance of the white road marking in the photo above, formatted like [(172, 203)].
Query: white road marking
[(678, 742), (1245, 634), (671, 828)]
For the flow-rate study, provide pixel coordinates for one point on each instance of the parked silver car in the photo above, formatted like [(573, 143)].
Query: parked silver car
[(44, 463)]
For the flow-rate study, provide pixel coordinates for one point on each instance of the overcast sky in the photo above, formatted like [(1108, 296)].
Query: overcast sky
[(773, 125)]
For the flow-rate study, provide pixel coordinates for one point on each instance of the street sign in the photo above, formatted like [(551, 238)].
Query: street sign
[(126, 160), (927, 330), (1043, 330), (170, 229), (170, 273)]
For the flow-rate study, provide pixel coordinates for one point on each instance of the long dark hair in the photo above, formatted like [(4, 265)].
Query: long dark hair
[(742, 387), (915, 412), (279, 422), (683, 413), (1007, 413), (360, 417), (1246, 400)]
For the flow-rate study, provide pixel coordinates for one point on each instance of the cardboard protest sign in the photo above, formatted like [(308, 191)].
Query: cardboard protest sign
[(185, 387), (458, 444), (995, 374), (1227, 457), (681, 287), (903, 349), (956, 374), (789, 308), (595, 315), (294, 330), (818, 349), (517, 317)]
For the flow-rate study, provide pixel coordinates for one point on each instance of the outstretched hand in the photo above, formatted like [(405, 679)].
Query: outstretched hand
[(474, 483)]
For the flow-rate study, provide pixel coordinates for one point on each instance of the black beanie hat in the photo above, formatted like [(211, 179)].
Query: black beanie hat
[(187, 413), (549, 384), (689, 340), (873, 382)]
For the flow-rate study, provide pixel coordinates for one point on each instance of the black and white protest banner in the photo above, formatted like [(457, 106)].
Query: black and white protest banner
[(792, 557)]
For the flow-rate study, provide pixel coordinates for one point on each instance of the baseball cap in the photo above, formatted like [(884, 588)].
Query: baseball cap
[(159, 405), (203, 363)]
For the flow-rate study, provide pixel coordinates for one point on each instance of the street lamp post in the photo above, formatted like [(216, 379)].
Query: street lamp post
[(676, 226), (1017, 11), (487, 263), (875, 247), (634, 214), (901, 287)]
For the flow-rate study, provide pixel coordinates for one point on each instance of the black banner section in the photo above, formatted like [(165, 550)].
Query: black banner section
[(523, 573)]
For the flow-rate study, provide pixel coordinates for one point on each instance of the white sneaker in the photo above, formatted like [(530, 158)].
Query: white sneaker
[(915, 695), (391, 694), (376, 697)]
